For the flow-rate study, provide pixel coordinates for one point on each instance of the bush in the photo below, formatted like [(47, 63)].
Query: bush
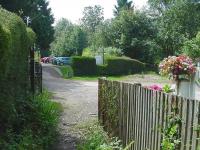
[(122, 66), (15, 43), (83, 66), (67, 71), (25, 122), (39, 125), (113, 51), (95, 138)]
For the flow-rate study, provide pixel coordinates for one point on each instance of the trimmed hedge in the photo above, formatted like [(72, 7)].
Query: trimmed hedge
[(121, 66), (84, 66), (15, 43)]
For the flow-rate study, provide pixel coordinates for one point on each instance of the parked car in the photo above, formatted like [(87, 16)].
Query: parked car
[(45, 59), (64, 60), (53, 60)]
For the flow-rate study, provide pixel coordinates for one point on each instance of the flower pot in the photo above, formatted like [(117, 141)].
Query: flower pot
[(185, 88)]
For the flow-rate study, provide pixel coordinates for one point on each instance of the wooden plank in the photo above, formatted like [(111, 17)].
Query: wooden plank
[(145, 118), (157, 120), (160, 120), (137, 118), (153, 122), (195, 125), (128, 114), (183, 126), (142, 119), (149, 119), (188, 124), (198, 131)]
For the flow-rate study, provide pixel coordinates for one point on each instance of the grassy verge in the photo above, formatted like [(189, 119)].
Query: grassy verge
[(38, 127), (95, 78), (95, 138)]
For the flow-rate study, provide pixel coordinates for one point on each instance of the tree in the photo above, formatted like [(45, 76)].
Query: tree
[(192, 47), (92, 17), (41, 18), (177, 24), (69, 40), (122, 5), (133, 32), (103, 35)]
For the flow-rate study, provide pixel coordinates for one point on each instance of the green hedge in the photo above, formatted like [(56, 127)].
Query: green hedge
[(84, 66), (121, 66), (15, 43)]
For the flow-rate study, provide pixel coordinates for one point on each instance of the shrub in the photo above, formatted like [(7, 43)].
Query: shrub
[(38, 125), (67, 71), (83, 66), (95, 138), (123, 66), (113, 51), (101, 69), (15, 44)]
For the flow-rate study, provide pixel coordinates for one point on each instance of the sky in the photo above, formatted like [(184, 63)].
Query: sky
[(72, 9)]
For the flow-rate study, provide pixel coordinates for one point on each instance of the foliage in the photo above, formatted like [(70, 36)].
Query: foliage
[(122, 5), (69, 40), (133, 33), (92, 17), (174, 67), (40, 119), (67, 71), (83, 66), (167, 88), (25, 122), (14, 82), (88, 52), (116, 66), (170, 139), (176, 24), (191, 47), (113, 51), (41, 18), (102, 37), (95, 138)]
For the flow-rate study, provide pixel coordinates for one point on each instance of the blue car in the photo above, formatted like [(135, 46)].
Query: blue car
[(63, 61)]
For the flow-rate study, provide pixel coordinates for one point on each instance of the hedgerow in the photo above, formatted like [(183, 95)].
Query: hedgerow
[(26, 122)]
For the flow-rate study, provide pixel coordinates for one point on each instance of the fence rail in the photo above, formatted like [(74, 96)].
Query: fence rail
[(135, 113)]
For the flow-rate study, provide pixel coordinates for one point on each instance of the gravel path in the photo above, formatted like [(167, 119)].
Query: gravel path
[(79, 101)]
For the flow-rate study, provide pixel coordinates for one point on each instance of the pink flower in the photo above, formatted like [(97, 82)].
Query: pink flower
[(155, 87)]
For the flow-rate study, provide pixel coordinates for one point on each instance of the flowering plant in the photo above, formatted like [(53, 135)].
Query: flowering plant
[(175, 67), (167, 88)]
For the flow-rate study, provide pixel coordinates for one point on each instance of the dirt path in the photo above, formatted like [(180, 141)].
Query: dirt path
[(79, 101)]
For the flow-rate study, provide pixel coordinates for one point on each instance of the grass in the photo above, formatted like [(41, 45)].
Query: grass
[(95, 138), (95, 78)]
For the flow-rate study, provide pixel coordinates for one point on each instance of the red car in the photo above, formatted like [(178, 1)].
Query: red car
[(45, 59)]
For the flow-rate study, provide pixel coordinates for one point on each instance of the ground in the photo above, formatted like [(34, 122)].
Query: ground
[(79, 101)]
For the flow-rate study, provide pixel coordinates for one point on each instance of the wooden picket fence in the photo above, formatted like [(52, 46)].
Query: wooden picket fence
[(135, 113)]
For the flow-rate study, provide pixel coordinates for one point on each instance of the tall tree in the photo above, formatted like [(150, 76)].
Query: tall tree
[(92, 17), (69, 40), (177, 24), (37, 14), (122, 5), (133, 32)]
